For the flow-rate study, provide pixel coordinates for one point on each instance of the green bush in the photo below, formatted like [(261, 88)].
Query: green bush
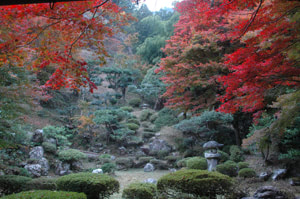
[(236, 154), (228, 168), (132, 126), (49, 147), (132, 120), (127, 108), (247, 173), (124, 163), (108, 167), (199, 183), (182, 163), (71, 155), (242, 165), (145, 159), (153, 118), (196, 163), (38, 194), (135, 102), (145, 115), (139, 191), (162, 154), (166, 117), (95, 186), (105, 156), (43, 183), (224, 156), (12, 183), (58, 133)]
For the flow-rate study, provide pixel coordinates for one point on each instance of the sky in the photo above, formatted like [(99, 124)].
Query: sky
[(156, 5)]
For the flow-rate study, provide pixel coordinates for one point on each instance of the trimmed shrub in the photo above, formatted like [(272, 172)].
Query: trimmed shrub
[(13, 183), (49, 147), (224, 156), (242, 165), (182, 163), (38, 194), (195, 182), (108, 167), (145, 159), (132, 120), (42, 184), (162, 154), (236, 154), (228, 168), (71, 155), (196, 163), (127, 108), (132, 126), (153, 118), (166, 117), (145, 115), (135, 102), (124, 163), (247, 173), (95, 186), (139, 191)]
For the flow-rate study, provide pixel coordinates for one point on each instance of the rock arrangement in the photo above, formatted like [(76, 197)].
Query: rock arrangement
[(37, 166), (268, 192)]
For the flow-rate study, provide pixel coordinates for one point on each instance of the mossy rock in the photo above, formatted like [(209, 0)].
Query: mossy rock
[(247, 173), (199, 183), (124, 163), (160, 164), (139, 191), (242, 165), (46, 194), (228, 168), (196, 163), (145, 159), (95, 186)]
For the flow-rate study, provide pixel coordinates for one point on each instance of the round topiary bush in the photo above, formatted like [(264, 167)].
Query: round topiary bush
[(132, 126), (49, 147), (228, 168), (196, 163), (95, 186), (182, 163), (135, 102), (145, 115), (132, 120), (13, 184), (71, 155), (199, 183), (247, 173), (38, 194), (139, 191), (242, 165)]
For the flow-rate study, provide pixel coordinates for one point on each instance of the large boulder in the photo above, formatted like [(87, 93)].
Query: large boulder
[(278, 174), (44, 166), (269, 192), (158, 145), (37, 136), (62, 168), (77, 166), (34, 169), (36, 153)]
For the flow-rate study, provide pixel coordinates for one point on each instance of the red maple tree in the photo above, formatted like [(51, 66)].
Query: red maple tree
[(35, 36)]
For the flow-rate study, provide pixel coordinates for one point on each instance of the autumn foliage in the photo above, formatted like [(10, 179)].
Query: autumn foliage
[(237, 50), (35, 36)]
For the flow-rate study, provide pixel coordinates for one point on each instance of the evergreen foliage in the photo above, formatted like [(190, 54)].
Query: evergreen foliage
[(140, 191), (71, 155), (38, 194), (13, 183)]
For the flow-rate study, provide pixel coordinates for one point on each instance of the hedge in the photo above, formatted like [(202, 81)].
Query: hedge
[(46, 194), (13, 184), (139, 191)]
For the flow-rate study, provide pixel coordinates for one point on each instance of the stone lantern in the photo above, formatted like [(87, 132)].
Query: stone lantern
[(211, 154)]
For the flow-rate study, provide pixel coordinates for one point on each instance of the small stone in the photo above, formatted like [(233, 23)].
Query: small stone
[(97, 171), (149, 167), (279, 173), (264, 175), (150, 180)]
